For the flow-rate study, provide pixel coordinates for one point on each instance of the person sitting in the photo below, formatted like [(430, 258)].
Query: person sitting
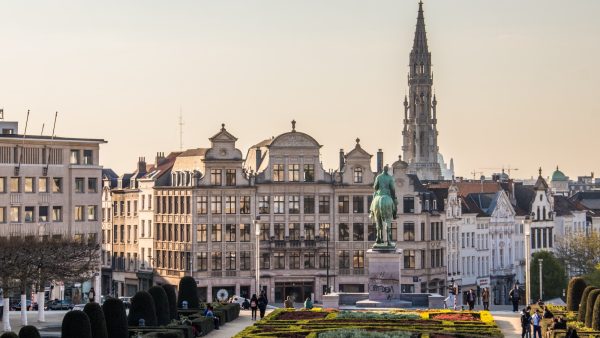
[(308, 304), (246, 304), (288, 304), (548, 313), (210, 314)]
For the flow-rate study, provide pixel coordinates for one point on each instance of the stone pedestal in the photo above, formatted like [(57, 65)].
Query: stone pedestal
[(384, 277), (331, 301)]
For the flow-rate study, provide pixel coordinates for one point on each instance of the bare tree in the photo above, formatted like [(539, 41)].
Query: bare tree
[(580, 252)]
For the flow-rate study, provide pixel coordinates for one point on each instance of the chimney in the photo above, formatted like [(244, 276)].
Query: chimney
[(141, 165), (341, 159), (379, 161), (160, 157), (258, 158)]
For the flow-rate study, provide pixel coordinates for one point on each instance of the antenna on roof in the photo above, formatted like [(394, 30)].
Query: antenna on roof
[(180, 129), (45, 169), (42, 133), (1, 113), (18, 167)]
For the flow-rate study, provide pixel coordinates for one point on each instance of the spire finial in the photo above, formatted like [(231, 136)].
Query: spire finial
[(557, 167), (357, 140), (222, 126), (540, 170), (293, 125)]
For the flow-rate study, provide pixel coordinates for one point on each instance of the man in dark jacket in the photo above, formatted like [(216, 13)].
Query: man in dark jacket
[(262, 304), (515, 297)]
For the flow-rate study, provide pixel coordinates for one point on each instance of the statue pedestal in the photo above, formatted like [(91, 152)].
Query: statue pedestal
[(384, 274)]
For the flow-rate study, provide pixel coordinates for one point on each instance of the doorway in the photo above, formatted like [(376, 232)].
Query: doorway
[(299, 291)]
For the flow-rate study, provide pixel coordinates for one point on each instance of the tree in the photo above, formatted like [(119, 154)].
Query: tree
[(580, 252), (554, 277)]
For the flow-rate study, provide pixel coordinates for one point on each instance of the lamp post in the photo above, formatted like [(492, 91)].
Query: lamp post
[(257, 263), (327, 234), (399, 252), (527, 230), (540, 261)]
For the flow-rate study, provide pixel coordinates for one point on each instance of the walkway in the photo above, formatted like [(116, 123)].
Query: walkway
[(232, 328)]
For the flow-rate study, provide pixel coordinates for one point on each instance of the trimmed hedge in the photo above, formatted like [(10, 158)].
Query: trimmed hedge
[(188, 291), (583, 306), (29, 331), (116, 318), (574, 292), (203, 324), (97, 321), (142, 307), (172, 298), (590, 302), (596, 315), (350, 333), (230, 310), (9, 335), (76, 324), (161, 305)]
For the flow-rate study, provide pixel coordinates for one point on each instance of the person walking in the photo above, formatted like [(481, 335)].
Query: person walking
[(526, 323), (91, 295), (485, 297), (253, 306), (263, 301), (536, 320), (515, 297), (471, 299)]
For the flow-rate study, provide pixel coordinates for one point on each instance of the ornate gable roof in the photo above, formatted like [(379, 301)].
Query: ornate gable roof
[(223, 136), (358, 152)]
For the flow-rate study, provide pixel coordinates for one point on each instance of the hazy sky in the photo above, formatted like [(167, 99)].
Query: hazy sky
[(517, 82)]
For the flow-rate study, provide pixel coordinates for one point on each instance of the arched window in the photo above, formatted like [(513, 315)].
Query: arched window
[(358, 175)]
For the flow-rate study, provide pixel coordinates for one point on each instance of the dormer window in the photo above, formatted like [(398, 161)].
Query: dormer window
[(434, 205), (278, 173), (358, 175)]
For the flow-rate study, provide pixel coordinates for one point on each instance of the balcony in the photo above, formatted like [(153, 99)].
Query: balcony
[(358, 271), (309, 243), (295, 243), (279, 244), (216, 273)]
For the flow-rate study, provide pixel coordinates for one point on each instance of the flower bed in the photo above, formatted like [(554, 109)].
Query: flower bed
[(424, 324)]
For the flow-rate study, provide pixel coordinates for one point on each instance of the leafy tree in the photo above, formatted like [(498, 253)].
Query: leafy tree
[(580, 252), (554, 277)]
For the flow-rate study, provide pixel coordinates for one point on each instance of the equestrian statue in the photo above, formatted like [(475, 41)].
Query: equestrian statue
[(384, 209)]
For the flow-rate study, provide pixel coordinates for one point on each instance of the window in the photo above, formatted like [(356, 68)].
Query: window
[(265, 231), (79, 213), (294, 204), (29, 216), (343, 204), (371, 231), (265, 260), (309, 231), (279, 260), (79, 182), (278, 204), (230, 204), (57, 185), (15, 214), (309, 204), (202, 233), (244, 232), (230, 233), (344, 259), (409, 205), (294, 173), (216, 233), (358, 232), (358, 204), (279, 230), (42, 214), (343, 232), (74, 158), (57, 214), (324, 230), (278, 173), (409, 259), (202, 261), (323, 260), (358, 259), (201, 205), (2, 184), (309, 260), (93, 185), (15, 184), (92, 213), (43, 184), (230, 177), (88, 157), (2, 214), (294, 231), (215, 176), (217, 261), (215, 204), (394, 231), (263, 205), (309, 173), (29, 184), (358, 175), (324, 207), (244, 204), (245, 260), (230, 260), (409, 231)]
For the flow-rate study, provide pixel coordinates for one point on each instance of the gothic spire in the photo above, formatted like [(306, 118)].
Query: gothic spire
[(420, 42)]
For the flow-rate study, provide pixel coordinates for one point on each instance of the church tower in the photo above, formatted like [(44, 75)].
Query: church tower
[(420, 148)]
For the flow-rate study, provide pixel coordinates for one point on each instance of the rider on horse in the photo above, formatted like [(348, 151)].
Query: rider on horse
[(384, 205)]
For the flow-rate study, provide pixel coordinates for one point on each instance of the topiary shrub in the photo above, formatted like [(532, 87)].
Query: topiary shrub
[(161, 304), (574, 292), (29, 331), (172, 298), (583, 306), (9, 335), (142, 307), (97, 321), (596, 315), (188, 292), (76, 324), (590, 302), (116, 318)]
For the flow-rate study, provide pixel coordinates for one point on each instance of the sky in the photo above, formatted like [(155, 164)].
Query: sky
[(517, 82)]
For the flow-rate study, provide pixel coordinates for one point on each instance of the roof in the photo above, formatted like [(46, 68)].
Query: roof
[(482, 203), (558, 175), (194, 152), (419, 187), (564, 207), (50, 138), (524, 196), (263, 143), (587, 199), (540, 184), (466, 188)]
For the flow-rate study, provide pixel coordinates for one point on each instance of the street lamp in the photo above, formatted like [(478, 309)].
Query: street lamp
[(328, 287), (527, 230), (257, 263), (540, 261), (399, 252)]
